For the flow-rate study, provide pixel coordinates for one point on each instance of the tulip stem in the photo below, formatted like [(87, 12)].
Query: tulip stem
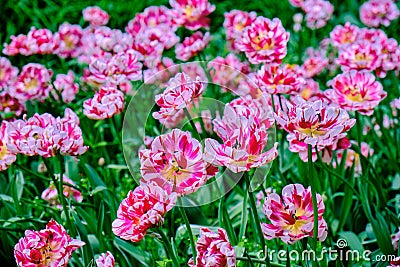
[(359, 129), (214, 87), (59, 168), (168, 247), (189, 230), (273, 103), (60, 188), (113, 130), (314, 201), (254, 210), (191, 122), (280, 101)]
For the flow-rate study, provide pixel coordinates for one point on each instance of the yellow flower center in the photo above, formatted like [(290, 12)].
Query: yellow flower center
[(268, 46), (355, 98), (296, 228), (29, 86), (3, 151), (346, 38), (354, 95), (174, 172), (152, 23), (361, 57), (239, 27), (313, 131), (259, 38), (189, 13), (306, 93), (69, 43), (47, 255)]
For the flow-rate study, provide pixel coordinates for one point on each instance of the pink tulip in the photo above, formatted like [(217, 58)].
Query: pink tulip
[(244, 132), (275, 79), (68, 40), (6, 157), (344, 35), (292, 217), (46, 136), (175, 162), (361, 55), (374, 13), (180, 93), (106, 103), (356, 91), (314, 122), (65, 85), (50, 194), (264, 41), (191, 14), (33, 83), (17, 46), (228, 72), (234, 23), (48, 247), (10, 107), (40, 41), (105, 260), (318, 13), (314, 64), (310, 90), (214, 249), (192, 45), (95, 16), (151, 17), (8, 73), (114, 70), (142, 209)]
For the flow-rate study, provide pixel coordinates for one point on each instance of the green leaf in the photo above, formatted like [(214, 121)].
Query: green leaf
[(181, 231), (88, 218), (239, 250), (19, 184), (382, 233), (93, 176), (97, 190), (227, 222), (346, 205), (396, 182), (140, 255), (7, 198), (117, 167), (100, 144), (71, 167), (84, 237), (352, 240), (244, 217), (164, 263)]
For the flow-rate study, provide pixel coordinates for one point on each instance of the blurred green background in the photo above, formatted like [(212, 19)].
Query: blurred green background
[(18, 16)]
